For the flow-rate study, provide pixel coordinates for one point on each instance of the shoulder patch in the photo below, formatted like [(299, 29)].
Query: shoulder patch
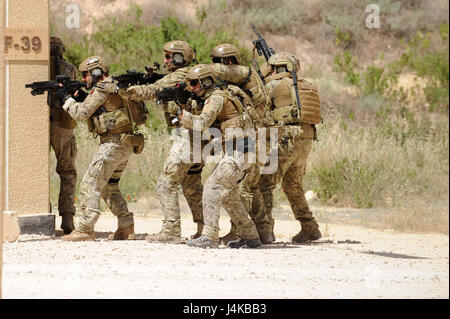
[(92, 91)]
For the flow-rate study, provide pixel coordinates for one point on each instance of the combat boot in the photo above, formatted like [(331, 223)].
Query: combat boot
[(202, 242), (265, 232), (310, 231), (244, 243), (67, 223), (199, 231), (77, 235), (163, 237), (228, 237), (126, 233)]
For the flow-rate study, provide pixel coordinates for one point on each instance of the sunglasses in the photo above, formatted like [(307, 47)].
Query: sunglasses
[(168, 56), (193, 82)]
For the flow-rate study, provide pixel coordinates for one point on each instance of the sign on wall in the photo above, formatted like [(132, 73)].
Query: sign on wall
[(26, 44)]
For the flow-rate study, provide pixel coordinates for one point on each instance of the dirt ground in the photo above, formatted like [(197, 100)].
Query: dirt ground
[(348, 262)]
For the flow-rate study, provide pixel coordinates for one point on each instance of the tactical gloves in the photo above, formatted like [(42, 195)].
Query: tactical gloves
[(63, 94)]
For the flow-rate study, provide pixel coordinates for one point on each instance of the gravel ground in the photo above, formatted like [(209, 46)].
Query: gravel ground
[(348, 262)]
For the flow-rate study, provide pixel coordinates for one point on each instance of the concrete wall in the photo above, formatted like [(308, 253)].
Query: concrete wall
[(28, 117)]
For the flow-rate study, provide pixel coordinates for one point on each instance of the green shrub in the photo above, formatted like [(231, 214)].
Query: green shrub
[(346, 178), (129, 43)]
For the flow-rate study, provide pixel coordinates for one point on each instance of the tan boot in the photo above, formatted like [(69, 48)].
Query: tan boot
[(203, 242), (76, 235), (163, 237), (310, 231), (265, 232), (126, 233), (199, 231), (67, 223)]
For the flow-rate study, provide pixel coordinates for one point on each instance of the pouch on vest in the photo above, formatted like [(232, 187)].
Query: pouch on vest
[(309, 102), (243, 105), (135, 140), (286, 114), (111, 121), (137, 111)]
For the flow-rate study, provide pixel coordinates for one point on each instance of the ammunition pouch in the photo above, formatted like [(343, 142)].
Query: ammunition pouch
[(135, 140), (286, 114), (110, 122)]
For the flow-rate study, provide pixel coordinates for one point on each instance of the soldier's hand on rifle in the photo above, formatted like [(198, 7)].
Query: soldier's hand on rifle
[(173, 108), (80, 95), (63, 94)]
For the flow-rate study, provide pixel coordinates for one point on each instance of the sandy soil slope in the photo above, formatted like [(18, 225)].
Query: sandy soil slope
[(348, 262)]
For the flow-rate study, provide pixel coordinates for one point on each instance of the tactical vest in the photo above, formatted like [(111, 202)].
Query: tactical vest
[(251, 84), (234, 112), (112, 117), (256, 89), (285, 109), (57, 114)]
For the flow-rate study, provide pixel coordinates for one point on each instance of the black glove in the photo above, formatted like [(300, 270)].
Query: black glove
[(63, 94), (81, 96)]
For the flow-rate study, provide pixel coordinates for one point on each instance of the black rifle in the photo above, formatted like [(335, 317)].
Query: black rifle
[(133, 77), (178, 93), (261, 45), (39, 88)]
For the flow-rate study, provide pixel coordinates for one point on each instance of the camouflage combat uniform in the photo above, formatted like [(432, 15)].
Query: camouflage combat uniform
[(175, 171), (103, 174), (295, 142), (248, 80), (222, 188), (63, 142)]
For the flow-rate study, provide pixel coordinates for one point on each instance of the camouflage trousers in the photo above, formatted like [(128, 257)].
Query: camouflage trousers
[(252, 198), (186, 174), (64, 144), (292, 155), (222, 189), (102, 180)]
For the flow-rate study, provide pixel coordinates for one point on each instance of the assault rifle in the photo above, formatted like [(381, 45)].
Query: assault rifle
[(38, 88), (178, 93), (134, 77), (261, 46)]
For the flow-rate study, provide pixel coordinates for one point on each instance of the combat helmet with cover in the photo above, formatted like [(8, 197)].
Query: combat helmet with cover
[(284, 62), (182, 53), (204, 74), (221, 52)]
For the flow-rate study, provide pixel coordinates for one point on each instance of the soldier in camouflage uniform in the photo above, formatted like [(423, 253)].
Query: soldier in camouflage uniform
[(224, 108), (296, 134), (106, 116), (176, 172), (226, 60), (62, 139)]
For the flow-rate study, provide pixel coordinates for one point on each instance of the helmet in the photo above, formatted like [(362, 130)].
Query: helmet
[(225, 50), (204, 73), (284, 59), (182, 48), (56, 46), (94, 62)]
